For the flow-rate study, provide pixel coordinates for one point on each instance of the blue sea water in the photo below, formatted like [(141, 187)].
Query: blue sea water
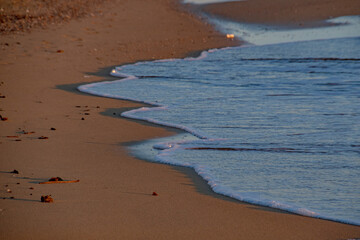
[(276, 125)]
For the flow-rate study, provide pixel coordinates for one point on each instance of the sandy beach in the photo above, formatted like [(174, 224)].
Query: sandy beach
[(49, 129)]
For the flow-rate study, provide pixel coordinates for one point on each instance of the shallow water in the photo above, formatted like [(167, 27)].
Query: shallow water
[(276, 125), (341, 27)]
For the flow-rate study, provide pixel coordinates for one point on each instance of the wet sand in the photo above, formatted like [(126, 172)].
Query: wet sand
[(49, 129), (305, 13)]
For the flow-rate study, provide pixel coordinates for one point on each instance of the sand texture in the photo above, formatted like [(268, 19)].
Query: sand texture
[(48, 129), (305, 13), (24, 15)]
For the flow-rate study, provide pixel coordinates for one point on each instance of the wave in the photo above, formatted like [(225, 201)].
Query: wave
[(167, 149)]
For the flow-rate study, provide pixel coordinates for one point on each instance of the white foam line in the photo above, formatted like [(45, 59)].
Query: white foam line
[(165, 157), (132, 115), (202, 171), (87, 88), (345, 27)]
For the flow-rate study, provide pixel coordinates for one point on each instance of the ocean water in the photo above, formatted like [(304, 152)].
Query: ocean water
[(341, 27), (270, 124)]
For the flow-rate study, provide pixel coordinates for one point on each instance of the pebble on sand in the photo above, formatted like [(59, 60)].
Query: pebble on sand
[(3, 118), (47, 199)]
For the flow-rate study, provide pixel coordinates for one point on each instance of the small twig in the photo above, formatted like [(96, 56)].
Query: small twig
[(50, 182)]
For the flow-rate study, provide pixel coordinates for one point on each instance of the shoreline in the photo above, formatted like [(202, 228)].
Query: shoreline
[(191, 170), (290, 14), (113, 198)]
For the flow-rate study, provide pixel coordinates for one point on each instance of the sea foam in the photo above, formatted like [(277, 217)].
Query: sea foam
[(168, 150)]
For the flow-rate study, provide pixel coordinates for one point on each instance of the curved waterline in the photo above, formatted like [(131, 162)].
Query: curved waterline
[(167, 149)]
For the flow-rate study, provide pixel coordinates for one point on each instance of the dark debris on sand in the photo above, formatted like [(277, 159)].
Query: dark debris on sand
[(47, 199), (23, 15), (54, 179)]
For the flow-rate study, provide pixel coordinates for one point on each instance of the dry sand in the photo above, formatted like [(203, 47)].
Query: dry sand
[(39, 72), (23, 15)]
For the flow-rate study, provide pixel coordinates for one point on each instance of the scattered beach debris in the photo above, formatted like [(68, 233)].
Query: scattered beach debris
[(230, 36), (82, 118), (25, 132), (55, 179), (15, 171), (43, 137), (12, 136), (8, 190), (53, 129), (23, 16), (47, 199), (155, 194), (60, 51), (17, 140), (31, 188), (59, 180), (87, 113), (2, 96), (3, 118)]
